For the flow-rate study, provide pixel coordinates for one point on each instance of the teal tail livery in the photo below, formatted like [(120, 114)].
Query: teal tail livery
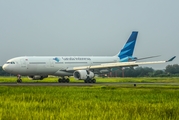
[(126, 52), (80, 67)]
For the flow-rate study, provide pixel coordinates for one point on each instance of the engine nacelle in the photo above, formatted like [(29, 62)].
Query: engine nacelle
[(128, 59), (37, 77), (83, 74)]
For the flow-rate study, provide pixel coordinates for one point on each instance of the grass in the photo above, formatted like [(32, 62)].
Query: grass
[(126, 102), (99, 79), (89, 103)]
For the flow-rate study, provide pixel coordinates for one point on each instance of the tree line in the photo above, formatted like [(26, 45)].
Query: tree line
[(3, 73), (170, 70)]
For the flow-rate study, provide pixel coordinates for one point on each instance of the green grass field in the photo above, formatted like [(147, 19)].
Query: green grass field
[(99, 79), (91, 103)]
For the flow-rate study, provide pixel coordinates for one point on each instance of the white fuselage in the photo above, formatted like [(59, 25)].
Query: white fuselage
[(52, 65)]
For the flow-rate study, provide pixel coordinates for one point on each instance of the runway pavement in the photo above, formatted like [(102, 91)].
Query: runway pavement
[(80, 84)]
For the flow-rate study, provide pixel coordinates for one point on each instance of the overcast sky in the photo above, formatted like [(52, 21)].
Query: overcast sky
[(88, 27)]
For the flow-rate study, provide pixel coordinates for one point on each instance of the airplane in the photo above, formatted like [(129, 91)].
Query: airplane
[(81, 67)]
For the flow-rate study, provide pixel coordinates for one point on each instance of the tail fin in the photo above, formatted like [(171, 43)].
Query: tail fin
[(128, 49)]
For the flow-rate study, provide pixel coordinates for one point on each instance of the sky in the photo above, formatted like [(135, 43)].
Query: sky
[(88, 27)]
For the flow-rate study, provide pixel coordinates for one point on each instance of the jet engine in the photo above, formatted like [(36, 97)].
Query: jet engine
[(83, 74), (37, 77)]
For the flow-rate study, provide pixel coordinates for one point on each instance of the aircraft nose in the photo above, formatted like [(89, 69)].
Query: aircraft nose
[(4, 67)]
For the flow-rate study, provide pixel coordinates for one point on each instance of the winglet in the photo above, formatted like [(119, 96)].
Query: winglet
[(171, 59)]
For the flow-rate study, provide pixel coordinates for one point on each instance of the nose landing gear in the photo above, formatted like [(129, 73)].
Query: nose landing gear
[(19, 80)]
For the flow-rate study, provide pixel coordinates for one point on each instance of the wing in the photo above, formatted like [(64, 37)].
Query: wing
[(118, 64)]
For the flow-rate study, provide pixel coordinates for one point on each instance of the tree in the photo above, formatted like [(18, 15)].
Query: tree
[(172, 69), (159, 73), (138, 72), (3, 73), (141, 72)]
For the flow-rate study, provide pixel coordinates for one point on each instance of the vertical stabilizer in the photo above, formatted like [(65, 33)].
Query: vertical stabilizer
[(128, 49)]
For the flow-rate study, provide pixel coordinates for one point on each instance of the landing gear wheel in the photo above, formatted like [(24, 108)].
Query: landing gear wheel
[(86, 81), (89, 81), (19, 81), (63, 80), (59, 80), (67, 80), (93, 80)]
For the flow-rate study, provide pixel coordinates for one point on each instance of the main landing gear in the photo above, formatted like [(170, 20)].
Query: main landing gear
[(88, 80), (63, 80), (67, 80), (19, 80)]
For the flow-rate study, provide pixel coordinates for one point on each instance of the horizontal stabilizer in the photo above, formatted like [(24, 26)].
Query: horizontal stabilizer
[(147, 57)]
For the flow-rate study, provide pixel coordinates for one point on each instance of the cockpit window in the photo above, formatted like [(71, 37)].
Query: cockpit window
[(10, 62)]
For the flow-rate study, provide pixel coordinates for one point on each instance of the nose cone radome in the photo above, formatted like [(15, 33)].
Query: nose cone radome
[(4, 67), (8, 68)]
